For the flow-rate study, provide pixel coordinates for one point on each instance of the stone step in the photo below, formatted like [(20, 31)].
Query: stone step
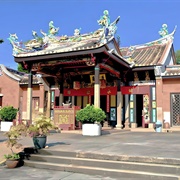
[(80, 154), (109, 164), (106, 172)]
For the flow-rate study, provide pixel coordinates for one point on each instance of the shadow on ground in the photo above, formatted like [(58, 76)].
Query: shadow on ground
[(2, 140), (56, 143)]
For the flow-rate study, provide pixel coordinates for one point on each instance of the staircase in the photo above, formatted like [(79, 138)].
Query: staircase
[(106, 165)]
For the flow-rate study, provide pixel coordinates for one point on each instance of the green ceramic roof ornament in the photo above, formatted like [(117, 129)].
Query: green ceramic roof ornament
[(108, 29), (15, 43), (52, 29), (104, 21), (163, 31)]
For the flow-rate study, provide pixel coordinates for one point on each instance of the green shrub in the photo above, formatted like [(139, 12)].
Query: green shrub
[(13, 136), (90, 114), (12, 156), (8, 113), (40, 127)]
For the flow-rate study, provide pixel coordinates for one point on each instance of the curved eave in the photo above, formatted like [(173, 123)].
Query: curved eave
[(118, 59), (9, 73), (59, 55), (142, 68)]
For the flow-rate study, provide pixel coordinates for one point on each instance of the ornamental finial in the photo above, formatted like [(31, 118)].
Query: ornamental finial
[(164, 30)]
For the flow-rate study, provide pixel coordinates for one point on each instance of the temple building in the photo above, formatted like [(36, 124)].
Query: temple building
[(135, 86), (13, 92)]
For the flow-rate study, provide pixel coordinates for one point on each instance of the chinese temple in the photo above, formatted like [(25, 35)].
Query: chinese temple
[(91, 68)]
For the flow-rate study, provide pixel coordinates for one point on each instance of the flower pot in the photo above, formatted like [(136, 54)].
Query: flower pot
[(39, 142), (91, 129), (12, 163)]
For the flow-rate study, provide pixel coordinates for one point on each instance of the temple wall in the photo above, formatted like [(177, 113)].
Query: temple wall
[(7, 84), (169, 86)]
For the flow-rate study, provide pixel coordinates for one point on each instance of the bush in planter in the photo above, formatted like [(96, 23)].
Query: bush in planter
[(90, 114), (39, 130), (8, 113), (13, 135)]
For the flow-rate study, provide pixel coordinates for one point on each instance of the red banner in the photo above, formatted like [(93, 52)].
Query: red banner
[(135, 89), (90, 91)]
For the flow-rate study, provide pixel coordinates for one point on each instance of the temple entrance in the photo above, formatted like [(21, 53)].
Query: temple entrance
[(103, 103), (139, 109)]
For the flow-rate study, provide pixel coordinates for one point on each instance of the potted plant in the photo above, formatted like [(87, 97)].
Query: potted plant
[(91, 118), (7, 115), (39, 130), (13, 135)]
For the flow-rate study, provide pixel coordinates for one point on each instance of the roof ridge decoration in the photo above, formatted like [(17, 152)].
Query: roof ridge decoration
[(51, 42), (109, 29), (163, 31), (164, 38)]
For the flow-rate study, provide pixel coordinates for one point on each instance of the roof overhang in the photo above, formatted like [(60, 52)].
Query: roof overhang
[(58, 55), (143, 68)]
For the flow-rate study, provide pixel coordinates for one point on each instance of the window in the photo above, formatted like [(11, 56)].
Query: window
[(1, 101), (35, 103)]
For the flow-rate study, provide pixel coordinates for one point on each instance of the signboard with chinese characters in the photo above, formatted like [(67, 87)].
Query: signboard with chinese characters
[(64, 117)]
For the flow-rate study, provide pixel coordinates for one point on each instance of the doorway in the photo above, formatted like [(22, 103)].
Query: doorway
[(103, 103), (139, 109)]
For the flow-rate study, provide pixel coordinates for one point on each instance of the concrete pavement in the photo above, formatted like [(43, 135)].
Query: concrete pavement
[(152, 145)]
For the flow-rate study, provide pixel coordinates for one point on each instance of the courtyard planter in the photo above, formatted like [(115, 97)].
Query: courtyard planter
[(5, 126), (7, 114), (39, 142), (91, 129), (91, 118)]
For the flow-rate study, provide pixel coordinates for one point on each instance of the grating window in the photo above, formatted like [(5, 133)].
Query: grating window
[(175, 109)]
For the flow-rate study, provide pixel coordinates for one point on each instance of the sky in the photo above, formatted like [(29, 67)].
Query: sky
[(140, 20)]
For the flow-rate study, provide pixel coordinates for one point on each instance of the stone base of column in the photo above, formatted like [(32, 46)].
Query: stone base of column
[(133, 125), (105, 124), (151, 126), (118, 126), (126, 125)]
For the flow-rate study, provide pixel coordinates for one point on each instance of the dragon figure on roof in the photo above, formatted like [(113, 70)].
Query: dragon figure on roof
[(49, 40), (109, 29)]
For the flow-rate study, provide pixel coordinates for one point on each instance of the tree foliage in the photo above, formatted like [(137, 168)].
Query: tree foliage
[(177, 56), (21, 69), (90, 114)]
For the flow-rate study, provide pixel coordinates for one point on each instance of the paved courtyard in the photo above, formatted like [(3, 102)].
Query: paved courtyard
[(112, 142)]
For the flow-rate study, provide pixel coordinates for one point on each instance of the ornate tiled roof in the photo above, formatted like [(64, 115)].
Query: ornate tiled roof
[(19, 76), (36, 80), (149, 54), (145, 56), (50, 43)]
